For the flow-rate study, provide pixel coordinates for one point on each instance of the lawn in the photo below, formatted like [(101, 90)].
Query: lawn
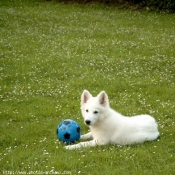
[(50, 52)]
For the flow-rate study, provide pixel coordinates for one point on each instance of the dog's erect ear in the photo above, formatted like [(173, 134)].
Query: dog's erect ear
[(103, 98), (85, 96)]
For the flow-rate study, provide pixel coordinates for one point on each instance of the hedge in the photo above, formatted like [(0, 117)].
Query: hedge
[(161, 5), (168, 5)]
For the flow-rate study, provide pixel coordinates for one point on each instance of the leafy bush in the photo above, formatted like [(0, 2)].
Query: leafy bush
[(160, 4), (167, 5)]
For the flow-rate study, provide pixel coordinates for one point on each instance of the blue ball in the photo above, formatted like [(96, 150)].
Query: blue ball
[(68, 131)]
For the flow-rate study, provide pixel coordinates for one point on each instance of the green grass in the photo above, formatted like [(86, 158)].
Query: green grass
[(50, 52)]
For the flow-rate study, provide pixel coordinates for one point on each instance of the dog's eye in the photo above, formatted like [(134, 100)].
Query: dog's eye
[(95, 112), (87, 110)]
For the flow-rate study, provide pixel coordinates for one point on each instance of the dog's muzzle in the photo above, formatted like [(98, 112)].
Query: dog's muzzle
[(88, 122)]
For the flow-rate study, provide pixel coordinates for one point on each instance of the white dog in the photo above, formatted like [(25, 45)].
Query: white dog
[(108, 126)]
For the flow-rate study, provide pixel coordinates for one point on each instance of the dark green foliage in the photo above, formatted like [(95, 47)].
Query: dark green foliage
[(162, 5)]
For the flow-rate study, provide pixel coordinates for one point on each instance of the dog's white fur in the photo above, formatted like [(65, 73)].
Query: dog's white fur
[(108, 126)]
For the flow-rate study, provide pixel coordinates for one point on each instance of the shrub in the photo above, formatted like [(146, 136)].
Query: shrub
[(168, 5), (165, 5)]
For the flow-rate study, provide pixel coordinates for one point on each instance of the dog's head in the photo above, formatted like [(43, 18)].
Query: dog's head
[(93, 108)]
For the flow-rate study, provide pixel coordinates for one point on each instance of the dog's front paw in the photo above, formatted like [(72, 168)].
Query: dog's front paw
[(70, 147)]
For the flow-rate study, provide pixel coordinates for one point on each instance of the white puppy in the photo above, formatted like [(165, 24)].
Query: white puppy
[(108, 126)]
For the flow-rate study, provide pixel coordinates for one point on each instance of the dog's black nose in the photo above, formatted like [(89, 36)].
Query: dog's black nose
[(88, 122)]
